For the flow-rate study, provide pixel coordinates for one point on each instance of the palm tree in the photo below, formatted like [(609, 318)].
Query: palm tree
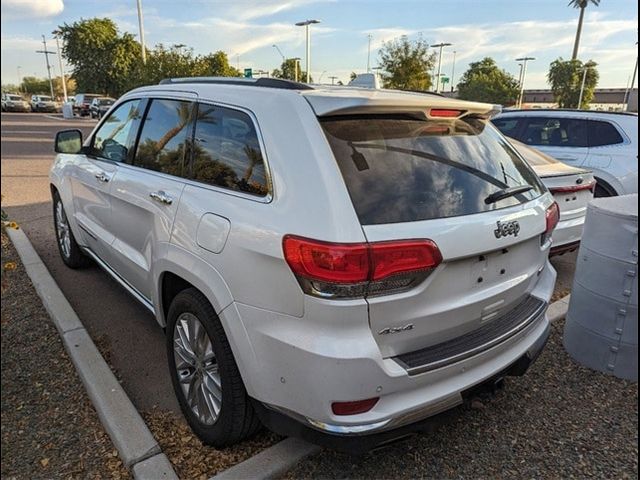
[(582, 5)]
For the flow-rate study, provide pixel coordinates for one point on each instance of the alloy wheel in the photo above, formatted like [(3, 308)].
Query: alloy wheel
[(197, 368), (62, 228)]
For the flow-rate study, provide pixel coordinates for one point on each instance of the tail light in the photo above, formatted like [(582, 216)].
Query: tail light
[(574, 188), (445, 113), (347, 270), (552, 216), (353, 408)]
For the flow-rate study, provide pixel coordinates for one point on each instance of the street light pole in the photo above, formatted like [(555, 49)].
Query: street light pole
[(440, 46), (297, 68), (280, 52), (62, 78), (46, 57), (585, 68), (19, 79), (453, 70), (141, 29), (369, 54), (633, 80), (306, 24), (523, 76)]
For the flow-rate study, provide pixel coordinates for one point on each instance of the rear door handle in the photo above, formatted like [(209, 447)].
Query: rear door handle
[(161, 197), (103, 177)]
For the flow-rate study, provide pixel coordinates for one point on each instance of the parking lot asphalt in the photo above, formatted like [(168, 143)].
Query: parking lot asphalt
[(125, 332)]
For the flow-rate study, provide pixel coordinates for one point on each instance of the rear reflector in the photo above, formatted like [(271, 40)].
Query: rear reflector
[(574, 188), (445, 113), (353, 408), (349, 269)]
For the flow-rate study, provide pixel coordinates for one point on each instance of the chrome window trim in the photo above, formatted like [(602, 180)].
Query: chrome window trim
[(267, 168), (191, 96)]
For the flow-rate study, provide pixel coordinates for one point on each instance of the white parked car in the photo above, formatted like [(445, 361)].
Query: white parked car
[(339, 263), (603, 142), (43, 103), (572, 189)]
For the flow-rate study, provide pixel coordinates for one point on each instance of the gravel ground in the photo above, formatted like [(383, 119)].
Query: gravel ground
[(49, 427), (558, 421), (190, 458)]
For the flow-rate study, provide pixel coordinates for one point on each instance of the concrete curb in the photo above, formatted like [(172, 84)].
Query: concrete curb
[(136, 446), (558, 309), (272, 462)]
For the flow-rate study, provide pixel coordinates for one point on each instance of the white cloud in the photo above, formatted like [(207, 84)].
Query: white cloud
[(265, 8), (23, 9), (238, 38), (545, 40)]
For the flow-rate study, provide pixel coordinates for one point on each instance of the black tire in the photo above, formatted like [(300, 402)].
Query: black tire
[(74, 258), (602, 191), (237, 419)]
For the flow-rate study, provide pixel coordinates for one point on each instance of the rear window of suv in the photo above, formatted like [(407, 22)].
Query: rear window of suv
[(400, 168)]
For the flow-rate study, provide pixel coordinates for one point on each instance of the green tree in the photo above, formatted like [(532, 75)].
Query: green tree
[(582, 5), (565, 79), (103, 60), (165, 62), (407, 64), (485, 82), (35, 86), (217, 65), (288, 69)]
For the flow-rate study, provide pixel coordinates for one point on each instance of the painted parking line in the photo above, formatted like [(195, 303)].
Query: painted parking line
[(26, 140)]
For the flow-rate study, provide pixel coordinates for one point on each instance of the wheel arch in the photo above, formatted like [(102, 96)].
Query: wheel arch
[(605, 183), (177, 269)]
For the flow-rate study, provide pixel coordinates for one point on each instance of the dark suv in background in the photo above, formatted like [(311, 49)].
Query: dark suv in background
[(83, 103)]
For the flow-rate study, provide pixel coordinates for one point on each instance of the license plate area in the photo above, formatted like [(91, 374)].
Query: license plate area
[(490, 268)]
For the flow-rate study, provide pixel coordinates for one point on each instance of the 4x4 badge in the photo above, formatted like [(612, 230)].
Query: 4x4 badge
[(507, 228), (388, 330)]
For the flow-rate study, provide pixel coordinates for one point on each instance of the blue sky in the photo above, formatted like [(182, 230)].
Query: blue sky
[(247, 29)]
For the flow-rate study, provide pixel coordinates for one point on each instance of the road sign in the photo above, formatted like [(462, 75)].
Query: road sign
[(445, 80), (248, 73)]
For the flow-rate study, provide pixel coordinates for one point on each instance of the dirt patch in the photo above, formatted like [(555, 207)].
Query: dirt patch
[(192, 459), (49, 427)]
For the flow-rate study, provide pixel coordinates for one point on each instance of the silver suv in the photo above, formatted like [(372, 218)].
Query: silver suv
[(337, 263)]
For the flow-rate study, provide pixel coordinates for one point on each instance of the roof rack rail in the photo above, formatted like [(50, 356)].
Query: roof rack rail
[(247, 82)]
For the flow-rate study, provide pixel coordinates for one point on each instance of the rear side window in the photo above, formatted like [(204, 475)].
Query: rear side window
[(115, 137), (404, 169), (226, 151), (555, 132), (162, 142), (603, 133), (508, 126)]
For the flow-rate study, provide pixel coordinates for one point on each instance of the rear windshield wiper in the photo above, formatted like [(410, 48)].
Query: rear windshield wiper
[(506, 193)]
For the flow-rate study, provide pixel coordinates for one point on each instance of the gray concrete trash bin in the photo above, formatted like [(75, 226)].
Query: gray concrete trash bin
[(601, 328), (67, 110)]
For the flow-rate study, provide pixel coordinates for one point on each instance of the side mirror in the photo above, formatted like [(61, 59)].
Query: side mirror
[(68, 141)]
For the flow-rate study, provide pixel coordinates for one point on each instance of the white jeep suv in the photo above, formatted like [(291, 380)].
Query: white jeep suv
[(338, 263)]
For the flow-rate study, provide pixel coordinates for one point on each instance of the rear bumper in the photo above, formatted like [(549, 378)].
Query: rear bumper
[(423, 420), (297, 367), (15, 108)]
